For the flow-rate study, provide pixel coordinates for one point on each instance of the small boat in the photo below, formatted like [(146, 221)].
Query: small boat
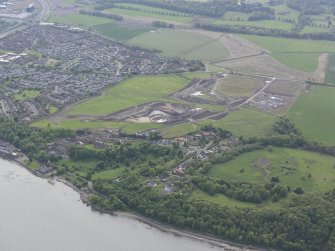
[(51, 182)]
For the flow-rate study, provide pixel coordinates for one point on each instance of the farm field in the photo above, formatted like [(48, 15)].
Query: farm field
[(118, 32), (330, 71), (309, 170), (131, 92), (246, 122), (146, 14), (268, 24), (305, 52), (313, 114), (179, 43)]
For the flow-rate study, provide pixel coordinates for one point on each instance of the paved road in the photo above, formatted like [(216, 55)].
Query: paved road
[(42, 15)]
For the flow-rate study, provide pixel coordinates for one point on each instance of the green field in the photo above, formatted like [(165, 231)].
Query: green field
[(246, 122), (330, 72), (311, 171), (275, 44), (305, 53), (268, 24), (118, 32), (108, 174), (307, 62), (178, 130), (146, 14), (180, 43), (79, 20), (131, 92), (26, 94), (313, 113)]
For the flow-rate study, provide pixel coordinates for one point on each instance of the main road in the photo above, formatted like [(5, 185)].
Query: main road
[(43, 12)]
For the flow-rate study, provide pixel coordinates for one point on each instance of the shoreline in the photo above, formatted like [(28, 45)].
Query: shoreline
[(213, 241)]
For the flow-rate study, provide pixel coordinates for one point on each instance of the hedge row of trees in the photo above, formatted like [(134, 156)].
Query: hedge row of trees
[(101, 14)]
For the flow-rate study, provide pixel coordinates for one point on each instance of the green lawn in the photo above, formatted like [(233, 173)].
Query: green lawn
[(313, 113), (140, 14), (246, 122), (80, 20), (311, 171), (131, 92), (118, 32), (180, 43), (330, 72), (26, 94)]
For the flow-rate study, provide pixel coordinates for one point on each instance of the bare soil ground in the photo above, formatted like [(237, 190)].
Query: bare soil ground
[(320, 72), (264, 65), (160, 112)]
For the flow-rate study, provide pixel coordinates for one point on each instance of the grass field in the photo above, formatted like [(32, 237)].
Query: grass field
[(118, 32), (237, 86), (268, 24), (146, 14), (108, 174), (311, 171), (131, 92), (246, 123), (307, 62), (179, 43), (26, 94), (330, 72), (80, 20), (305, 53), (178, 130), (313, 113)]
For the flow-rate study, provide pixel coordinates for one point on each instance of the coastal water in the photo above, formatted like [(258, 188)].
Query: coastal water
[(36, 215)]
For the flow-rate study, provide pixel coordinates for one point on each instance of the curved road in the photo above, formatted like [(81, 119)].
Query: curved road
[(43, 14)]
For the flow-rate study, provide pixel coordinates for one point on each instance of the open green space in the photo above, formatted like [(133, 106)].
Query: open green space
[(79, 20), (108, 174), (180, 43), (118, 32), (131, 92), (276, 44), (313, 113), (178, 130), (245, 122), (309, 170), (26, 94), (147, 14), (305, 53), (307, 62), (238, 86), (268, 24), (330, 71)]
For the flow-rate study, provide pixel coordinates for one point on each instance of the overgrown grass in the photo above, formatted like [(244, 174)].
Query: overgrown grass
[(311, 171)]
